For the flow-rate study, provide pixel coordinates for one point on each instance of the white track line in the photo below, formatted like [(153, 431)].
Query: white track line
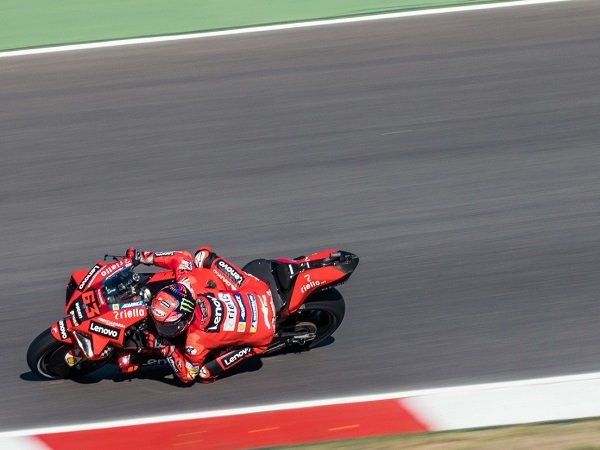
[(435, 392), (260, 29)]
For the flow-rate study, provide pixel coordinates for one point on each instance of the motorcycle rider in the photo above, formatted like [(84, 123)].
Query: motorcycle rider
[(224, 311)]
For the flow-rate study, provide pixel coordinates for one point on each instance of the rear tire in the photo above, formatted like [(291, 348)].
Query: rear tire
[(46, 358), (322, 313), (326, 309)]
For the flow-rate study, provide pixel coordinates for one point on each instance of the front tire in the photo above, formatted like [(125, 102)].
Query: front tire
[(46, 358)]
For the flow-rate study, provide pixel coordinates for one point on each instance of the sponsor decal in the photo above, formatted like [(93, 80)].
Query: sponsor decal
[(187, 305), (171, 362), (92, 308), (158, 312), (129, 313), (230, 272), (264, 308), (189, 350), (200, 257), (231, 316), (236, 357), (62, 329), (310, 284), (78, 311), (156, 362), (117, 306), (192, 369), (164, 253), (254, 313), (70, 359), (241, 327), (217, 316), (104, 330), (131, 304), (185, 265), (112, 268), (87, 278), (224, 279), (101, 300), (240, 302), (110, 322), (203, 310), (165, 304), (73, 318), (186, 282)]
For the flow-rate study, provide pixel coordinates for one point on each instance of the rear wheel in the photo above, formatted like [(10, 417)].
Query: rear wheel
[(46, 358), (310, 326), (326, 310)]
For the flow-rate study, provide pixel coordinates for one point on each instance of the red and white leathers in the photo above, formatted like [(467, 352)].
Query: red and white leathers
[(234, 316)]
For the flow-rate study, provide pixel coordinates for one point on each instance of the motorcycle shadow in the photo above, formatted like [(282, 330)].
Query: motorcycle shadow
[(161, 373)]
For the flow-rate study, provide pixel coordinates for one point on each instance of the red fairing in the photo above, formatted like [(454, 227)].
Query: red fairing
[(77, 276), (107, 324), (83, 280), (60, 330), (320, 255), (312, 280)]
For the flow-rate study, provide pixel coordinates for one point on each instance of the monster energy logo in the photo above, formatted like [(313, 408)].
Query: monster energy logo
[(186, 305)]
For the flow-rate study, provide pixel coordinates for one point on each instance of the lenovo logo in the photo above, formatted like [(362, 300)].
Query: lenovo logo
[(87, 278), (104, 330), (236, 357), (230, 272)]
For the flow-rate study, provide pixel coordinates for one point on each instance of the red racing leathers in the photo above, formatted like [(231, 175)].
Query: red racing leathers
[(234, 316)]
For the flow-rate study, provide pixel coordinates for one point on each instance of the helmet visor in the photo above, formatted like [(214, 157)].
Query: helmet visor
[(170, 329)]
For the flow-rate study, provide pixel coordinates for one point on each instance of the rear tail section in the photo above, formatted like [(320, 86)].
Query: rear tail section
[(320, 271)]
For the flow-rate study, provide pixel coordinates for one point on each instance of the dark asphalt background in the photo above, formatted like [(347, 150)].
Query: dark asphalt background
[(458, 155)]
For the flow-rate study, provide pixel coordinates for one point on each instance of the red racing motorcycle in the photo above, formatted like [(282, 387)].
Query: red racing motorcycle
[(107, 311)]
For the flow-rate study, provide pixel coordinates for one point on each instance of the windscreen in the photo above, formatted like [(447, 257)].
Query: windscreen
[(121, 286)]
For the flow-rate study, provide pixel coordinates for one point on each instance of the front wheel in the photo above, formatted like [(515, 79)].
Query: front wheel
[(46, 358)]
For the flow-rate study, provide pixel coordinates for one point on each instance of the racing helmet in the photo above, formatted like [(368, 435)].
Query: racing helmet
[(172, 309)]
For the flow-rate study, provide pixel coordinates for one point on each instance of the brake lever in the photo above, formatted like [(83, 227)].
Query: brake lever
[(114, 257)]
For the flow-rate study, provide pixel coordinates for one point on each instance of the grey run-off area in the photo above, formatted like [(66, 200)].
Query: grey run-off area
[(457, 154)]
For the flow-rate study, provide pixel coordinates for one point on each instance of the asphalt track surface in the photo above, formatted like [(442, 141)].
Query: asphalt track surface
[(458, 155)]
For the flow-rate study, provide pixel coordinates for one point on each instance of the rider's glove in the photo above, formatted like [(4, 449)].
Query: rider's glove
[(134, 255), (159, 344), (138, 257)]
